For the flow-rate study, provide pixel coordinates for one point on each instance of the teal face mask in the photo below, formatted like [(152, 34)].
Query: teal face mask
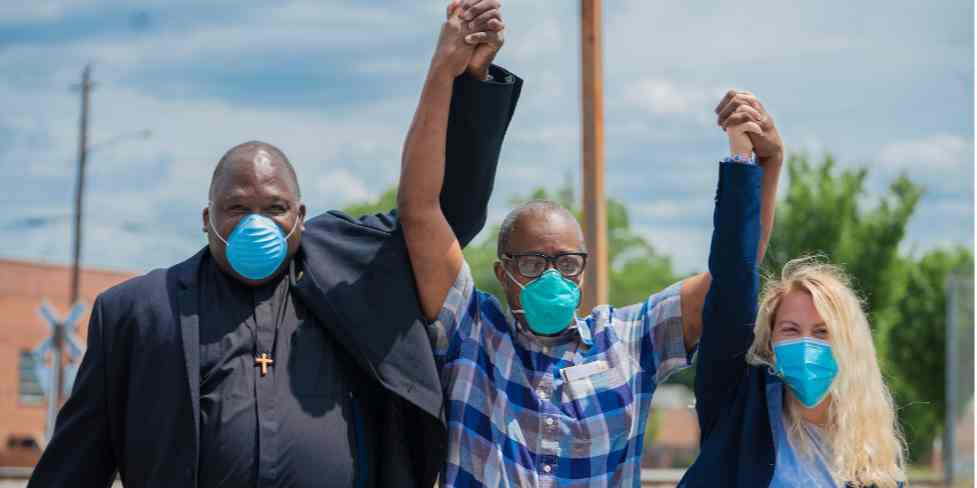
[(548, 302), (808, 367)]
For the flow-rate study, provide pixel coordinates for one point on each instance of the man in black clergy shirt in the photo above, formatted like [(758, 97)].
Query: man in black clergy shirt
[(286, 353)]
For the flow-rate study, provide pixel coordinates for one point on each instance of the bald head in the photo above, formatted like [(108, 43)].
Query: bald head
[(252, 178), (255, 156), (538, 216)]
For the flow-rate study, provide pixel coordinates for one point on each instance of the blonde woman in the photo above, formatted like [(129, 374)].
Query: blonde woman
[(796, 400)]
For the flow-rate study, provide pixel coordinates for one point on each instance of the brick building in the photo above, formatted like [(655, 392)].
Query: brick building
[(24, 286)]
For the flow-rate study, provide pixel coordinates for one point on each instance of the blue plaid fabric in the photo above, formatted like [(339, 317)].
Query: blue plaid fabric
[(536, 411)]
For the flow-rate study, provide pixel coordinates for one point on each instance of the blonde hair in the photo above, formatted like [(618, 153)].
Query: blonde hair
[(865, 444)]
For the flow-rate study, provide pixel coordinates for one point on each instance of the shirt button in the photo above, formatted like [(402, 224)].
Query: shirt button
[(549, 421), (547, 468)]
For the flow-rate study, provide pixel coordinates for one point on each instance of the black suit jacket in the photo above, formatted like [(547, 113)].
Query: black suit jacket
[(135, 406)]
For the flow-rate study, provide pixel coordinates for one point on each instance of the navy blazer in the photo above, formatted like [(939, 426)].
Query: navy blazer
[(736, 445), (134, 408)]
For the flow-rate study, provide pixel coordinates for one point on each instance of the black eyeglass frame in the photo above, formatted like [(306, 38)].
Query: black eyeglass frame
[(550, 260)]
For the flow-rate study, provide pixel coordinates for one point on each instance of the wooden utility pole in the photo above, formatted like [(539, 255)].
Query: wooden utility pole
[(85, 88), (592, 107), (56, 396)]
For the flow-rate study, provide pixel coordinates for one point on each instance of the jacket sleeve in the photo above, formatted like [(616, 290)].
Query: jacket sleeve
[(478, 119), (80, 452), (479, 116), (731, 303)]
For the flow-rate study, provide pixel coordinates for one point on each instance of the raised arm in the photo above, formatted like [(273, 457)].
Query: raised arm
[(434, 249), (735, 109), (730, 305), (740, 107)]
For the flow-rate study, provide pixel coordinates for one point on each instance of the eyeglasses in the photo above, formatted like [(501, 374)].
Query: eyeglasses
[(533, 264)]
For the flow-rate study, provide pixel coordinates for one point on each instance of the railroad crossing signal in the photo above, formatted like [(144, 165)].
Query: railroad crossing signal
[(73, 349)]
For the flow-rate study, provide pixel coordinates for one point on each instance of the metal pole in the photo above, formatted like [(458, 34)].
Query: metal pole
[(592, 107), (57, 378), (952, 365)]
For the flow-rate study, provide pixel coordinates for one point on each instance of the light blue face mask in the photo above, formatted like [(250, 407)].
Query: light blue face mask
[(256, 247), (548, 302), (808, 367)]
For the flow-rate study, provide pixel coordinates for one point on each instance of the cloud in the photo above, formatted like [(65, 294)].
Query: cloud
[(686, 245), (670, 210), (39, 10), (343, 185), (334, 83), (940, 223), (943, 162), (160, 184), (663, 97)]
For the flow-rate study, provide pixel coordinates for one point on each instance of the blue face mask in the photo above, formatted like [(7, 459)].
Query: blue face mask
[(548, 302), (808, 367), (256, 247)]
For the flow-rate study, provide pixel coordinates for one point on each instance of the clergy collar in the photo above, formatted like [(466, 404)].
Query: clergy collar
[(267, 288)]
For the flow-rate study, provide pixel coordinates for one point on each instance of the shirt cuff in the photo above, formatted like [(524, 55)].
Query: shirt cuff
[(736, 158), (497, 75)]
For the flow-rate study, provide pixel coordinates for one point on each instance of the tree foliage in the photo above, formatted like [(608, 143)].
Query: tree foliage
[(916, 344), (385, 203), (822, 213)]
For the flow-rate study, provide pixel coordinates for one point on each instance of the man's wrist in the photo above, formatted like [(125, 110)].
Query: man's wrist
[(480, 74), (440, 73)]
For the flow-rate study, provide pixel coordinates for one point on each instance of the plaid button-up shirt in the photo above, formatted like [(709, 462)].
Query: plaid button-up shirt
[(537, 411)]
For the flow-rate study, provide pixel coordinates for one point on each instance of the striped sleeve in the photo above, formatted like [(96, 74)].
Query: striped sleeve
[(656, 333), (447, 327)]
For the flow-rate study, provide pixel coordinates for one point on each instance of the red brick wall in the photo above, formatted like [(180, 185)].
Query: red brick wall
[(23, 286)]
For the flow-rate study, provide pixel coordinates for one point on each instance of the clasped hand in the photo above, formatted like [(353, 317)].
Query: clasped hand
[(750, 127), (470, 38)]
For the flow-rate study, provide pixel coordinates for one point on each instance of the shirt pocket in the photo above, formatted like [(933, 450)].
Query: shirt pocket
[(602, 398)]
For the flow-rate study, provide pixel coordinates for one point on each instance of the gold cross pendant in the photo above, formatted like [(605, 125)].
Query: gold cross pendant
[(263, 360)]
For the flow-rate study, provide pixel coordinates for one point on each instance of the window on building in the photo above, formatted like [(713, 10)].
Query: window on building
[(30, 392), (22, 441)]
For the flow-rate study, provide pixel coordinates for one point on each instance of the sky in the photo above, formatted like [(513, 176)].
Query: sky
[(884, 85)]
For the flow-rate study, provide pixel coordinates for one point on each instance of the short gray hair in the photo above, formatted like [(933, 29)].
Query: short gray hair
[(536, 207)]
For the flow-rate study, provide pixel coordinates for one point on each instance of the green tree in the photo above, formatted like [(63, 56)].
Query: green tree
[(916, 345), (384, 204), (821, 214)]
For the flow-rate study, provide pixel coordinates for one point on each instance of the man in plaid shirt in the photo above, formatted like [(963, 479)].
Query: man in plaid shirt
[(536, 396)]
